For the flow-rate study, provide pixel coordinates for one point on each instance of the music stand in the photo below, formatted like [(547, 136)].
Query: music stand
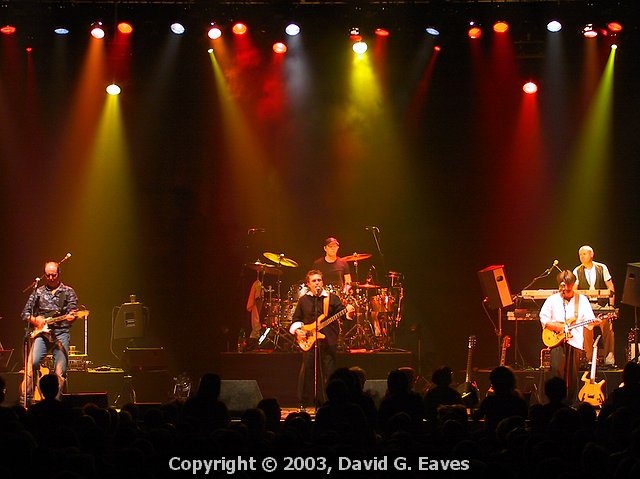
[(5, 357)]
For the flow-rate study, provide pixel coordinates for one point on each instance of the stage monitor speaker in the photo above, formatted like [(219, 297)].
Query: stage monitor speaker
[(81, 399), (631, 292), (144, 359), (240, 395), (495, 286), (130, 320)]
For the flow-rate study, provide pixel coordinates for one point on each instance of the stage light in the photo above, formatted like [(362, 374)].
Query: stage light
[(125, 28), (239, 29), (589, 32), (433, 31), (279, 47), (360, 47), (61, 31), (8, 30), (554, 26), (381, 32), (530, 88), (500, 27), (437, 48), (354, 34), (292, 30), (177, 28), (614, 47), (97, 31), (113, 89), (214, 32), (475, 32), (614, 27)]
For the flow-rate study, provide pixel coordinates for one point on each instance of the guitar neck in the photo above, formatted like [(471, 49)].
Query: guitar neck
[(324, 323)]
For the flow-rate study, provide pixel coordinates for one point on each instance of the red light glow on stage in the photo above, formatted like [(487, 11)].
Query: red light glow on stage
[(239, 29), (8, 30), (500, 27), (475, 33), (530, 88), (125, 28)]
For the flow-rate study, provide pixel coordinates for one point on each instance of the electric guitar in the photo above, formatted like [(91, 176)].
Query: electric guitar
[(506, 342), (312, 334), (469, 389), (552, 338), (591, 391), (56, 319)]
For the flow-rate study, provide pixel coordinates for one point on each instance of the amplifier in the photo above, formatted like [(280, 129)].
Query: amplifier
[(523, 315), (77, 362)]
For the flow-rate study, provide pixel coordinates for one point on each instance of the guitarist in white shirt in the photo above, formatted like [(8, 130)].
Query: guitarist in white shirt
[(319, 304), (54, 298), (559, 312)]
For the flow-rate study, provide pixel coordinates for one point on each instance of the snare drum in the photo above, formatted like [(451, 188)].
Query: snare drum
[(382, 302)]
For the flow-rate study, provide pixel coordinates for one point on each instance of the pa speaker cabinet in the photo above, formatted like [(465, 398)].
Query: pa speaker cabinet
[(240, 394), (495, 286), (631, 293)]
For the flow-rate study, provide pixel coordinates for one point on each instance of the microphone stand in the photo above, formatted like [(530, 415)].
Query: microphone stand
[(25, 348), (544, 274), (316, 353), (375, 232)]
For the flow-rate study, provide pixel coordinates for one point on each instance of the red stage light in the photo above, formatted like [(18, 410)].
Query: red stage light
[(614, 27), (530, 88), (239, 29), (381, 32), (500, 27), (279, 47), (8, 29), (475, 32), (124, 27)]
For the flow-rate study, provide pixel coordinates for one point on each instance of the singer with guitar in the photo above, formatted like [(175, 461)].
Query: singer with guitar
[(53, 299), (564, 315), (316, 328)]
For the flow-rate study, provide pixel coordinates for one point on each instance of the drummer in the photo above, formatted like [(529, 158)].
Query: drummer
[(335, 270)]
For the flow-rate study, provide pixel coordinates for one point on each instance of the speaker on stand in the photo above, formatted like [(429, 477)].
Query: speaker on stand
[(631, 296), (497, 295)]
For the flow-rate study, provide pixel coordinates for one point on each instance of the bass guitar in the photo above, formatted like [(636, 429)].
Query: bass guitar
[(55, 319), (552, 338), (469, 389), (313, 333), (591, 391)]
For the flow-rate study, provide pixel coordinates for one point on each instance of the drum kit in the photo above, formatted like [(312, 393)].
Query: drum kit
[(378, 307)]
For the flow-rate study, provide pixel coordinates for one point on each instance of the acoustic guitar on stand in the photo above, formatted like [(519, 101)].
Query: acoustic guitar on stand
[(56, 319), (591, 391), (506, 342)]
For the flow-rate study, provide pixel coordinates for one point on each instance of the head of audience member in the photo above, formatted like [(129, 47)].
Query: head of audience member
[(209, 386), (442, 376), (360, 374), (49, 386), (631, 373), (398, 382), (502, 379), (555, 389)]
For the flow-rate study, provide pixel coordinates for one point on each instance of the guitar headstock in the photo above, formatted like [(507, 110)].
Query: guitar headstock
[(506, 342), (472, 341)]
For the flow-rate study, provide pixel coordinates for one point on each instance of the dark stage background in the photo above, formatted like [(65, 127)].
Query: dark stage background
[(446, 176)]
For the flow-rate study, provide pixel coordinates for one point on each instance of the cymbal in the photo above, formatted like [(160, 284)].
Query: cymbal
[(357, 257), (367, 286), (281, 259), (263, 267)]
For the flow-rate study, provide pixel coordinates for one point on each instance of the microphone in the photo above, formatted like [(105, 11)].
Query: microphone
[(562, 287), (318, 290), (372, 228), (256, 230), (66, 257), (555, 265)]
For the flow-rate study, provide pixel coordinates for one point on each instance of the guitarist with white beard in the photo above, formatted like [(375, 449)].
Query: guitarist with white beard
[(559, 312), (317, 308)]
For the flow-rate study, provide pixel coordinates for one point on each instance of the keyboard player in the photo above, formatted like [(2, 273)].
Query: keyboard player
[(593, 275)]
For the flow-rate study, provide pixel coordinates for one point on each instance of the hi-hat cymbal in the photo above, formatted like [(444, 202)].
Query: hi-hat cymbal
[(280, 259), (263, 267), (357, 257)]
